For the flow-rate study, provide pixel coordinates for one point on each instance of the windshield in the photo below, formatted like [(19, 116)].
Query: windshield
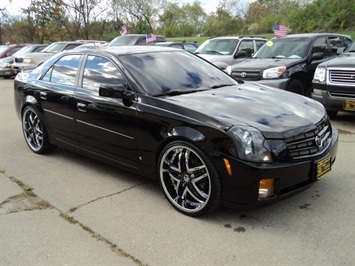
[(291, 48), (23, 50), (54, 48), (351, 48), (124, 40), (218, 46), (174, 72)]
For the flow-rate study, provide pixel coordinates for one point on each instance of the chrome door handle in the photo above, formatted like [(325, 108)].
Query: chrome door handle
[(43, 95), (82, 107)]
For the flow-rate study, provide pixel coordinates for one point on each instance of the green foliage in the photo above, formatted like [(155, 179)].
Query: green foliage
[(324, 15)]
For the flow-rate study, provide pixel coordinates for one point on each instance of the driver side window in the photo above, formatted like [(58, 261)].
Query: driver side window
[(99, 70)]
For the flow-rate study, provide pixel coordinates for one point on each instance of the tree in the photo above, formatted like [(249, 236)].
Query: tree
[(142, 13), (42, 17), (86, 18)]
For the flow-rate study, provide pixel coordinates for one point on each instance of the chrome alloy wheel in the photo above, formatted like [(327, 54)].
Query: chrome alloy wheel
[(186, 179), (32, 129)]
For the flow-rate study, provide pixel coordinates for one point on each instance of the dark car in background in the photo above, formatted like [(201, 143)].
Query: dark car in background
[(289, 62), (134, 39), (230, 50), (334, 83), (169, 115)]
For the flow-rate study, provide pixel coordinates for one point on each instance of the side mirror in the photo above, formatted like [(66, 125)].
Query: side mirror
[(240, 53), (317, 56), (112, 91), (118, 91)]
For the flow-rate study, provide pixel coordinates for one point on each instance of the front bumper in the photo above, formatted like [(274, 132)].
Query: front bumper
[(242, 187), (18, 67), (331, 102), (6, 72)]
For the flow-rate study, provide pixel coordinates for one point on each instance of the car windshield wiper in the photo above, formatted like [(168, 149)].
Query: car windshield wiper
[(177, 92), (212, 52), (221, 85)]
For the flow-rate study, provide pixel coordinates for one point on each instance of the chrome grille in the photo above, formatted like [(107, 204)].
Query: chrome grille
[(246, 75), (342, 76), (305, 144)]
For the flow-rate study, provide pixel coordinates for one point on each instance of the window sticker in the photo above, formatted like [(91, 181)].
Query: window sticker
[(269, 43)]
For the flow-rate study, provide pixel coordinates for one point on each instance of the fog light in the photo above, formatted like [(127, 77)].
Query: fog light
[(317, 92), (266, 188)]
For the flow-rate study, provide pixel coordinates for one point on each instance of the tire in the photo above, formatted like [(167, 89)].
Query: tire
[(189, 180), (296, 86), (35, 132), (332, 114)]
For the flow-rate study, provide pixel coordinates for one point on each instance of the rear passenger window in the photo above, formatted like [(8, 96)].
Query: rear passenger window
[(64, 70), (337, 45)]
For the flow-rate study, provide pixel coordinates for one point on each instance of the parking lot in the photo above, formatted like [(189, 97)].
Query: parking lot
[(64, 209)]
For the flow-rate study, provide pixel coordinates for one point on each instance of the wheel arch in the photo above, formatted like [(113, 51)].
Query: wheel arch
[(302, 77), (31, 100), (183, 133)]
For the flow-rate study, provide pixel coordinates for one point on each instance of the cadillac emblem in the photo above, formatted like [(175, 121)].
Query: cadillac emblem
[(319, 141)]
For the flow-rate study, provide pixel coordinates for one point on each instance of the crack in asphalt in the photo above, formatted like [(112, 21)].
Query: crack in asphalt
[(71, 210), (28, 201)]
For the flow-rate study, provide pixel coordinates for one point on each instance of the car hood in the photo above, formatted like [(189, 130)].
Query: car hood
[(265, 63), (222, 61), (214, 57), (276, 113), (343, 61), (36, 55)]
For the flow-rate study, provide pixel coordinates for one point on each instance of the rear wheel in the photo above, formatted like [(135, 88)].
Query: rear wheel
[(34, 131), (189, 180)]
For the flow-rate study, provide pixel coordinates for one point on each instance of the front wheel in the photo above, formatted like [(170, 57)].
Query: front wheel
[(332, 114), (189, 180), (34, 131), (296, 86)]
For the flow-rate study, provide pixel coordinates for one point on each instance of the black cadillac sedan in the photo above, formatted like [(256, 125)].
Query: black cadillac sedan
[(209, 139)]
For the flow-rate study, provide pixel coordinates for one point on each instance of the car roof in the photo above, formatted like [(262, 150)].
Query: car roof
[(123, 50), (238, 37), (137, 34), (313, 35)]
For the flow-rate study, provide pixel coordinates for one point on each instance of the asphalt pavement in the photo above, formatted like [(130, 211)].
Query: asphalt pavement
[(64, 209)]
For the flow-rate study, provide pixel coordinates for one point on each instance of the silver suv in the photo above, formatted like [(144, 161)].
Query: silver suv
[(226, 51), (32, 60)]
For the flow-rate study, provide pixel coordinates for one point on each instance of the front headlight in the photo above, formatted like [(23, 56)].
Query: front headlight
[(274, 72), (319, 74), (228, 70), (28, 61), (250, 144)]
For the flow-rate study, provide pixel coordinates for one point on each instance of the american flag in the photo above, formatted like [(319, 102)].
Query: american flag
[(150, 38), (280, 30), (123, 30)]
